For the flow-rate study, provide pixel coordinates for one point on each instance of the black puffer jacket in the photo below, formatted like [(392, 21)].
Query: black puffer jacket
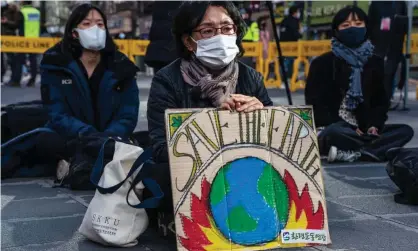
[(168, 91)]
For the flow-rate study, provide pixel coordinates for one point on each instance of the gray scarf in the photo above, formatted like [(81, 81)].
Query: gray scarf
[(215, 87), (356, 58)]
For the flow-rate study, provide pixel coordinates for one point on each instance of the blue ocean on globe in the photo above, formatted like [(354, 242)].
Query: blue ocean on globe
[(249, 201)]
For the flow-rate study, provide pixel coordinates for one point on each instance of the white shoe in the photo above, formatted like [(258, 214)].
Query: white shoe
[(343, 156), (63, 169)]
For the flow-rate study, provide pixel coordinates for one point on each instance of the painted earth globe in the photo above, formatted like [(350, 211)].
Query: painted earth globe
[(249, 201)]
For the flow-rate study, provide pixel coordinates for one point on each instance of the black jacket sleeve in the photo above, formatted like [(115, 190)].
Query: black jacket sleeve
[(261, 91), (379, 102), (161, 97), (315, 92)]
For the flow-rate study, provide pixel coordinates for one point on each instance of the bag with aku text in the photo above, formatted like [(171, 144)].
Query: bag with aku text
[(403, 171), (116, 215)]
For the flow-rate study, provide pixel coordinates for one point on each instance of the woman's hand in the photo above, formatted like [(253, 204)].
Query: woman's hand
[(228, 104), (359, 132), (373, 130), (245, 103)]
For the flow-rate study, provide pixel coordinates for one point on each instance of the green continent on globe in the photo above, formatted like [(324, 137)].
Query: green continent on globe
[(273, 189), (249, 201), (220, 186), (245, 222)]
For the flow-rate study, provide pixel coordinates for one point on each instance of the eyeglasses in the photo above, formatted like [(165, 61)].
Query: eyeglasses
[(229, 29)]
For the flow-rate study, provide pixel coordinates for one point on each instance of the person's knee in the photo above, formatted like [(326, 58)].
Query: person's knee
[(332, 131), (329, 137), (407, 132)]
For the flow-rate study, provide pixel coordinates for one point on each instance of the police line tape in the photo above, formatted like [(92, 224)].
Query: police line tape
[(300, 50)]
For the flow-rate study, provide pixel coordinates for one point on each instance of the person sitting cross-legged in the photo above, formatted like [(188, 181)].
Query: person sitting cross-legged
[(345, 88)]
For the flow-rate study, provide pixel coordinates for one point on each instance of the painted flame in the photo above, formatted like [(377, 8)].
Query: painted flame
[(201, 233)]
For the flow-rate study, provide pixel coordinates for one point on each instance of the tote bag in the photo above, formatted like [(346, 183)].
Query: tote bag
[(116, 216)]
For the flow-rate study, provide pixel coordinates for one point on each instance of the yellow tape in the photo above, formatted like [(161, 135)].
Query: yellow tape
[(301, 50), (315, 48), (26, 45), (252, 49)]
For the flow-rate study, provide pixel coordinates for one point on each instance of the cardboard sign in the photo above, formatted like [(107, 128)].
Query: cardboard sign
[(246, 181)]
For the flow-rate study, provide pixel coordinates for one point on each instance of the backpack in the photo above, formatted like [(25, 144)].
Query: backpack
[(403, 171), (22, 117), (86, 152)]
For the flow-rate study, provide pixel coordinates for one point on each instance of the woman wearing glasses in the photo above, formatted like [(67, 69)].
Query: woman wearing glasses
[(207, 74)]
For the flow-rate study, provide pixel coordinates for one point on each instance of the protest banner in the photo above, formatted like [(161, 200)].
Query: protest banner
[(246, 181)]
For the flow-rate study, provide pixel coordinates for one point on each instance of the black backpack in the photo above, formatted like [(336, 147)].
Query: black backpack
[(22, 117), (403, 171), (86, 153)]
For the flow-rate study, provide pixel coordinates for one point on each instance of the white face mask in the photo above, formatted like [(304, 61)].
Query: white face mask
[(92, 38), (218, 51)]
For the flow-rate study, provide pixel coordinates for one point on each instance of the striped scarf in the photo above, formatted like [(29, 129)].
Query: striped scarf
[(216, 86)]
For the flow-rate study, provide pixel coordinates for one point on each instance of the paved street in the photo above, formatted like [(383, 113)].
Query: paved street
[(361, 210)]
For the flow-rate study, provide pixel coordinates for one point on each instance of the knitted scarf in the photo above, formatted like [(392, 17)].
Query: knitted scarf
[(214, 85), (356, 58)]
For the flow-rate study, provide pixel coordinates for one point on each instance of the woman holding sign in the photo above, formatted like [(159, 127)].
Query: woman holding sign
[(345, 87), (207, 74)]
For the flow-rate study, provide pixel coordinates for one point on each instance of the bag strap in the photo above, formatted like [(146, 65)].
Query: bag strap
[(98, 169), (25, 135), (152, 185)]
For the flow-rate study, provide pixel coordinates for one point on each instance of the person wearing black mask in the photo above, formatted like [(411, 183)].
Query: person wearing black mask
[(345, 88)]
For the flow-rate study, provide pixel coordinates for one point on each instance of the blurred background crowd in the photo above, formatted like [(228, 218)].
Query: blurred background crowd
[(308, 20)]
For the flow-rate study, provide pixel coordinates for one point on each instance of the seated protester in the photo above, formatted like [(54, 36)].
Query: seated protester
[(208, 74), (88, 86), (345, 88)]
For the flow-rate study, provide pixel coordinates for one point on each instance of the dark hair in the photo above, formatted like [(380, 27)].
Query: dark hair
[(70, 44), (27, 2), (344, 13), (190, 15), (293, 9)]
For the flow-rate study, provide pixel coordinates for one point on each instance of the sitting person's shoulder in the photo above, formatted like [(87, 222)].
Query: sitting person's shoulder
[(171, 70), (323, 58), (167, 75), (247, 71)]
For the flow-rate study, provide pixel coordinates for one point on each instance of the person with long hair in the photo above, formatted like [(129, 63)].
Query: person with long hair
[(345, 87), (87, 84), (90, 91)]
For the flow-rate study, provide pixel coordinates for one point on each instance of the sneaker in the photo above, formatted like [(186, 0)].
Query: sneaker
[(343, 156), (63, 169)]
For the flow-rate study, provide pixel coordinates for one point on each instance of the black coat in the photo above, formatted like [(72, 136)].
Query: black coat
[(169, 91), (388, 41), (289, 29), (162, 48), (328, 82)]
